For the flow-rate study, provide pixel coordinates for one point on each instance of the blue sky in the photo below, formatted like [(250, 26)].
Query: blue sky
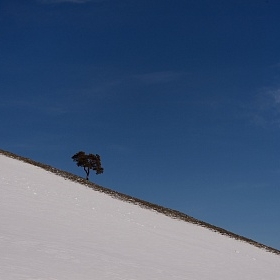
[(181, 99)]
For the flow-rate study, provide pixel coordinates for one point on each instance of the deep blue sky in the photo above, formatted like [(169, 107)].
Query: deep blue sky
[(181, 99)]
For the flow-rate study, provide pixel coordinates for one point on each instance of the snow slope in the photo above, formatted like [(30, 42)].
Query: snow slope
[(54, 229)]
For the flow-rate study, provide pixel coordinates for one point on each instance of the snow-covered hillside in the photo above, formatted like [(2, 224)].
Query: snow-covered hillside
[(54, 229)]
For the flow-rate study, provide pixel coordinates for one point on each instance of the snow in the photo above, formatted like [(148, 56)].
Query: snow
[(54, 229)]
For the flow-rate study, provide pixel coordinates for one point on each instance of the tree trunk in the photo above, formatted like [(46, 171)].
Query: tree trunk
[(87, 172)]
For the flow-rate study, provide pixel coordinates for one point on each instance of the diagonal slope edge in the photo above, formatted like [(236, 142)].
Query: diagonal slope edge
[(144, 204)]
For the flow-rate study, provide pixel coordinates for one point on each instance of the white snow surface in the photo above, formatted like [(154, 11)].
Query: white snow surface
[(54, 229)]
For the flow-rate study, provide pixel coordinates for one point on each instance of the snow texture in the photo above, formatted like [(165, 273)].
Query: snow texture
[(54, 229)]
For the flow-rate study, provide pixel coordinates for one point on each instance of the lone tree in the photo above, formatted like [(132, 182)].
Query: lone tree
[(88, 162)]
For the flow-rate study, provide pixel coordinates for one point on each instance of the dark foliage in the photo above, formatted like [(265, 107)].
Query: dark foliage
[(88, 162)]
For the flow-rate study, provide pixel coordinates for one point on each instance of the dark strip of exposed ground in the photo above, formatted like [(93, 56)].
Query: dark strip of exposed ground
[(144, 204)]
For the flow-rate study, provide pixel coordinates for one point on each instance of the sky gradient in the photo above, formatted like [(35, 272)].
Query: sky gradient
[(181, 99)]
